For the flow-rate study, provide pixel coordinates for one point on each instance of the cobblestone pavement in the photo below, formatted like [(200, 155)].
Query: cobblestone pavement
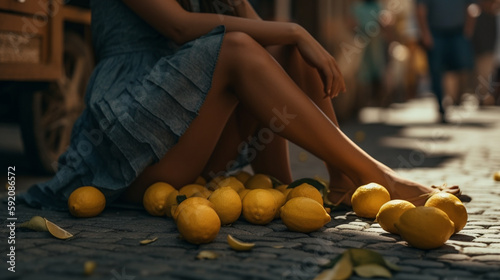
[(466, 152)]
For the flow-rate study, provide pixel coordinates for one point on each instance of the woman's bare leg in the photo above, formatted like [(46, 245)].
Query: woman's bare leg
[(246, 70), (308, 79)]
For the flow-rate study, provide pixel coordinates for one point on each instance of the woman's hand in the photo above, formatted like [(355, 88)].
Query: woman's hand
[(316, 56)]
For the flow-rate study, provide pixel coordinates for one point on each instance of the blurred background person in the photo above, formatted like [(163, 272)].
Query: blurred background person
[(484, 42), (446, 27), (370, 27)]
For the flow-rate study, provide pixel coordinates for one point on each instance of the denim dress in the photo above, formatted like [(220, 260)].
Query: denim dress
[(142, 96)]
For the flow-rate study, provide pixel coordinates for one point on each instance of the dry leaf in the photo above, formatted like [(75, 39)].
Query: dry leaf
[(147, 241), (278, 246), (372, 270), (207, 255), (35, 223), (56, 231), (89, 267), (239, 245)]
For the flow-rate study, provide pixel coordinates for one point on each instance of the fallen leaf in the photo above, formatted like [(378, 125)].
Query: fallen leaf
[(364, 256), (342, 269), (56, 231), (147, 241), (89, 267), (239, 245), (372, 270), (36, 223), (207, 255), (278, 246)]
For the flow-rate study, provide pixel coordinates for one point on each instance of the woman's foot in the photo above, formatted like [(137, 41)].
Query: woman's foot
[(398, 187)]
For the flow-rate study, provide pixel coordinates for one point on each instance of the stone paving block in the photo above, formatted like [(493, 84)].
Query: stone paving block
[(423, 263), (447, 273), (473, 266), (351, 244), (449, 257), (320, 250), (327, 235), (408, 269), (481, 251), (488, 258), (254, 229), (410, 276), (493, 275), (349, 227), (287, 235)]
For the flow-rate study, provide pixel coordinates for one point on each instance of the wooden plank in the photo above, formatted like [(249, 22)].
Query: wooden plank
[(77, 15)]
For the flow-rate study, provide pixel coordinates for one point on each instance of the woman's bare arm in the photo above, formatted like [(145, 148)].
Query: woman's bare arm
[(244, 9), (170, 19)]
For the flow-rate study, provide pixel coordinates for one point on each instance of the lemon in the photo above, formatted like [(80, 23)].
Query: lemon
[(390, 212), (259, 207), (367, 200), (194, 189), (239, 245), (259, 181), (280, 200), (243, 193), (86, 202), (425, 227), (171, 202), (155, 198), (306, 190), (198, 223), (200, 181), (227, 204), (281, 188), (304, 214), (452, 206), (243, 176), (232, 182), (496, 176), (176, 209)]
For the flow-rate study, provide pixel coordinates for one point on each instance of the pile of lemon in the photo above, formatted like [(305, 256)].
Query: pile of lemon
[(423, 227), (201, 208)]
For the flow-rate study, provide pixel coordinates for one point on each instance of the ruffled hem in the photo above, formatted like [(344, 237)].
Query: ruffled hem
[(123, 131)]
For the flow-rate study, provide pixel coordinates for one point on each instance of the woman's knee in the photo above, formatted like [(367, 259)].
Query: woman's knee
[(242, 49)]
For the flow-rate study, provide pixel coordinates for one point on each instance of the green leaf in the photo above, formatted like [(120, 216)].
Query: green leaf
[(181, 198), (372, 270), (310, 181)]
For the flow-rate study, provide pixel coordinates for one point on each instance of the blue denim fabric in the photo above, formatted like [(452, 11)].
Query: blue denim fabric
[(451, 51), (142, 96)]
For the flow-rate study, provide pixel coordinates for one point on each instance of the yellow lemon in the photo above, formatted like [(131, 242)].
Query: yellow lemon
[(171, 202), (176, 209), (232, 182), (200, 181), (452, 206), (259, 181), (496, 176), (227, 204), (155, 198), (198, 223), (305, 190), (390, 212), (425, 227), (280, 200), (304, 214), (86, 202), (281, 188), (367, 200), (259, 207), (194, 189), (243, 176), (242, 193)]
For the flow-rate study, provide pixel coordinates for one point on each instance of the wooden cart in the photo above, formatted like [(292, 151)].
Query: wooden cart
[(45, 62)]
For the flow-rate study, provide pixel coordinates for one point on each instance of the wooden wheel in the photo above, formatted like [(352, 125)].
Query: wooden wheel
[(48, 114)]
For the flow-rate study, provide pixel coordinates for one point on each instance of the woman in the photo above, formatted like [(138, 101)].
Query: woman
[(177, 94)]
